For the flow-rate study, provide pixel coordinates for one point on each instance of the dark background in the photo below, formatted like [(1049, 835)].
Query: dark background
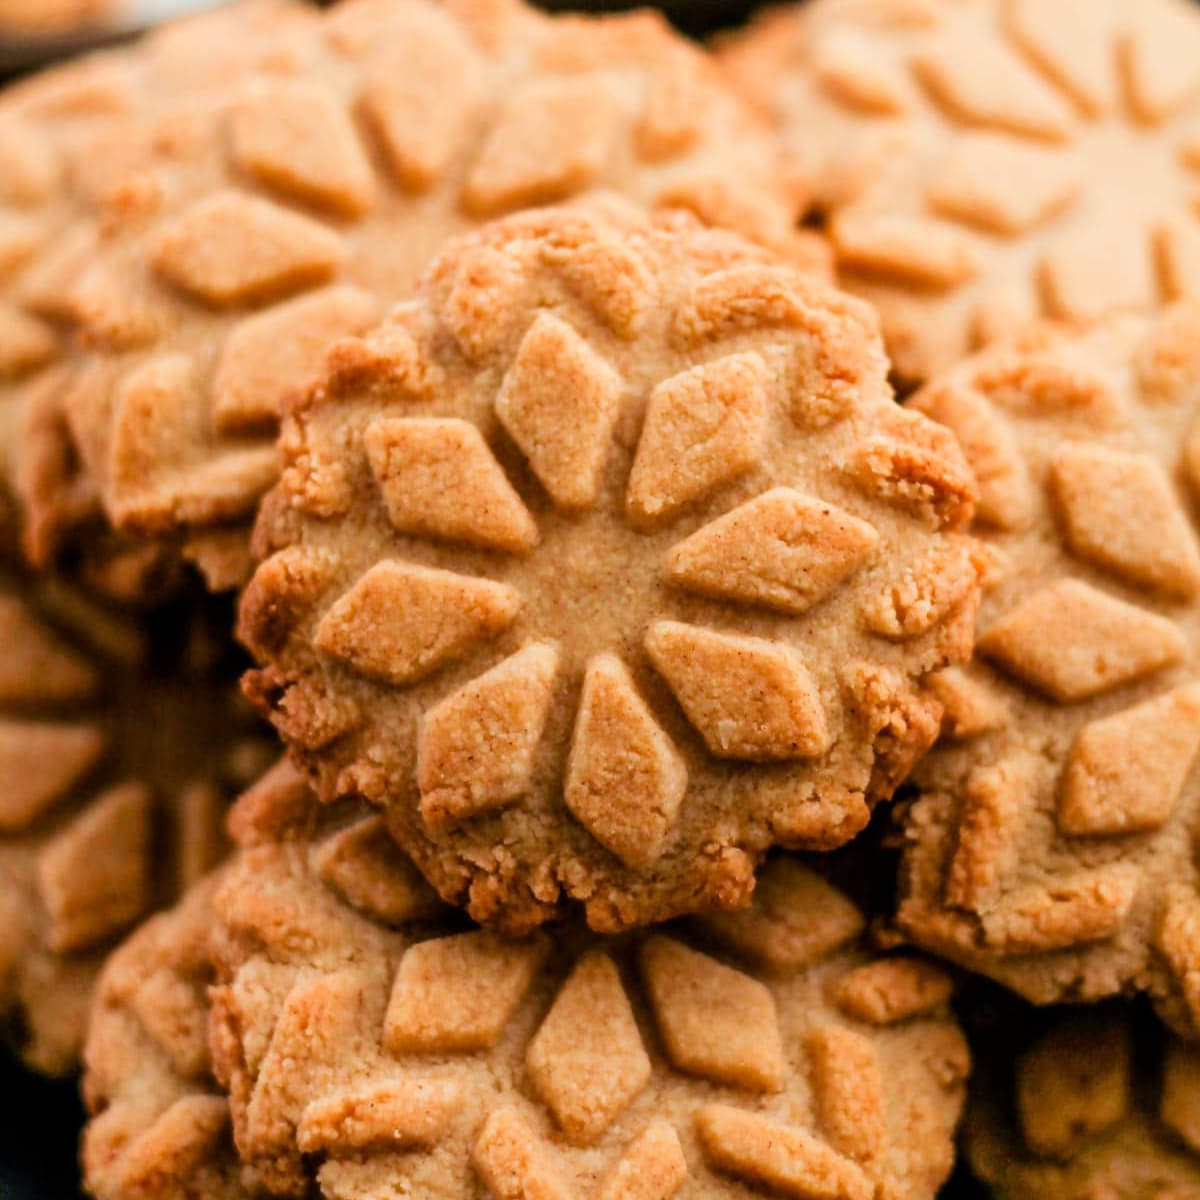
[(40, 1119)]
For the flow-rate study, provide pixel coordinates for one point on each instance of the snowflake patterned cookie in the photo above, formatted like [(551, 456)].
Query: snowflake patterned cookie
[(67, 144), (1095, 1118), (160, 1126), (1054, 844), (109, 800), (605, 564), (760, 1053), (288, 207), (978, 162)]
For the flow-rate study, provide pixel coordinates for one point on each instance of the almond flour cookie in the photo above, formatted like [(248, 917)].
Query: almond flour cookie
[(1095, 1115), (605, 564), (271, 216), (109, 799), (160, 1127), (761, 1053), (1054, 844), (978, 162), (68, 142)]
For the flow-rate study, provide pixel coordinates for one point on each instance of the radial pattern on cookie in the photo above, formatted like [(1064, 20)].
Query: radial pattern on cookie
[(981, 163), (71, 145), (103, 817), (259, 219), (1099, 1108), (364, 1057), (635, 575), (1054, 845)]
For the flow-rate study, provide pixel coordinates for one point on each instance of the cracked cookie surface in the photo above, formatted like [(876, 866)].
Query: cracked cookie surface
[(978, 164), (114, 778), (372, 1046), (265, 217), (1095, 1111), (607, 563), (1053, 846)]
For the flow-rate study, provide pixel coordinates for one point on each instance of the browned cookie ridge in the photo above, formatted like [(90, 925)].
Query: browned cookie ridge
[(1096, 1113), (606, 563), (980, 162), (1054, 843), (263, 217), (113, 783), (371, 1046)]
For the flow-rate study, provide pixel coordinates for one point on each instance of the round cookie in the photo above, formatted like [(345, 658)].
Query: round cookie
[(159, 1127), (978, 163), (68, 139), (760, 1053), (1053, 846), (1093, 1116), (274, 215), (606, 563), (110, 802)]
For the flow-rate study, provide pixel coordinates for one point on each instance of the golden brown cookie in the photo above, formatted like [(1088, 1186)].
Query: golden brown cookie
[(979, 162), (606, 563), (761, 1053), (41, 17), (273, 215), (1054, 843), (115, 760), (1095, 1114), (160, 1127), (70, 140)]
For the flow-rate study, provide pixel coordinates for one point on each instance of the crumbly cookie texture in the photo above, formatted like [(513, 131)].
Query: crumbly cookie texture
[(1092, 1116), (68, 144), (368, 1055), (264, 218), (979, 163), (159, 1126), (1054, 844), (605, 564), (113, 786)]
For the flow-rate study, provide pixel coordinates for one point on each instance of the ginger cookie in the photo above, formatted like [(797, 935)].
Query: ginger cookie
[(979, 163), (1094, 1112), (277, 213), (370, 1051), (69, 142), (116, 756), (1053, 846), (606, 563)]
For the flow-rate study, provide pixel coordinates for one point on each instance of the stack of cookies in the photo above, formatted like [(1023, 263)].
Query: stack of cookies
[(708, 545)]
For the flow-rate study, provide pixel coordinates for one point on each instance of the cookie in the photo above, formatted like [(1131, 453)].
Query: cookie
[(1053, 845), (67, 138), (1094, 1113), (606, 563), (275, 213), (369, 1051), (977, 164), (44, 17), (115, 760), (159, 1126)]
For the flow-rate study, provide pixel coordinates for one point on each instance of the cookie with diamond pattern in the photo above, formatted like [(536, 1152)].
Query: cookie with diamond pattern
[(1054, 844), (68, 142), (1096, 1109), (110, 802), (979, 163), (367, 1051), (268, 216), (606, 563)]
